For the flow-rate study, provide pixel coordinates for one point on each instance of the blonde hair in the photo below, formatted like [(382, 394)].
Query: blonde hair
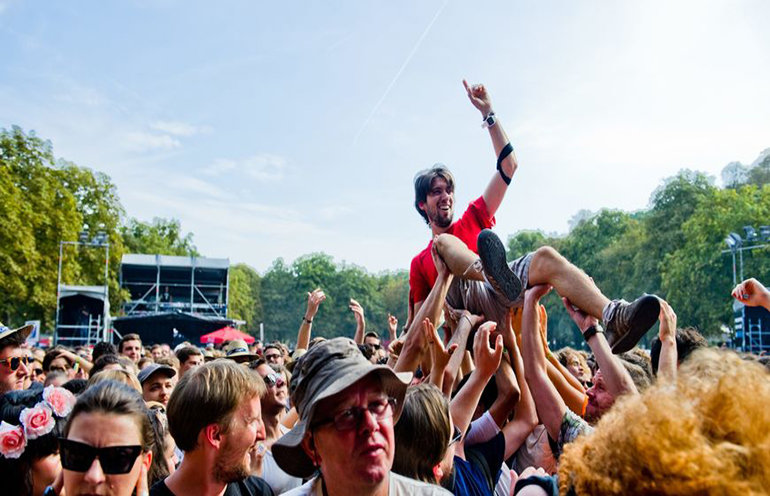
[(422, 433), (118, 375), (707, 434)]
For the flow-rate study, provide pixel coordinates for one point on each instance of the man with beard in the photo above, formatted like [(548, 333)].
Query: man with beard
[(486, 284), (215, 417)]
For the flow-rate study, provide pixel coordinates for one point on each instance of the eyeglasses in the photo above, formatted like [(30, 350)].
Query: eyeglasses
[(14, 362), (274, 356), (350, 418), (59, 369), (457, 434), (79, 457), (273, 379)]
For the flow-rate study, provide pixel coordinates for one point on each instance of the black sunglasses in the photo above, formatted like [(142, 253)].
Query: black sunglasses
[(14, 362), (79, 457), (273, 379)]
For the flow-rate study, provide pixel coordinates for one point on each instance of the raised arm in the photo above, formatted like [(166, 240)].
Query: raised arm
[(439, 355), (358, 314), (667, 335), (615, 375), (465, 322), (314, 299), (525, 415), (493, 195), (752, 293), (487, 361), (414, 343), (392, 327), (549, 404)]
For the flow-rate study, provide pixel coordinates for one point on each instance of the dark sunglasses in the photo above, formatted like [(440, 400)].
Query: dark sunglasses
[(273, 379), (79, 457), (14, 362), (457, 434)]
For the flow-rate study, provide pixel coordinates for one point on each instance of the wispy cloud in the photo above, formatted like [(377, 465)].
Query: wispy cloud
[(177, 128), (263, 167), (140, 141)]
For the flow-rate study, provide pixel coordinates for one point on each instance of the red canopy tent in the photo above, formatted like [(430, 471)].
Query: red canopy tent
[(226, 334)]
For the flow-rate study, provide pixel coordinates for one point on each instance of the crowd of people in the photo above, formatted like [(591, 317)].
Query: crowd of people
[(467, 398)]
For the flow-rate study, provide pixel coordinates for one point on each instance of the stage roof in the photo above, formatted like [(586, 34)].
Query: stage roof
[(175, 261)]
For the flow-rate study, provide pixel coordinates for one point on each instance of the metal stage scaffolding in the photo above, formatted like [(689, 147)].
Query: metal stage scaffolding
[(163, 283), (173, 298)]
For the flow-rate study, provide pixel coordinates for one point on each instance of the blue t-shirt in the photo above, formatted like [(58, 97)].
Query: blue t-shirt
[(478, 473)]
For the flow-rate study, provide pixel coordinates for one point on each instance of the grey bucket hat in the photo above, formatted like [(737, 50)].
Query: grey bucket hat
[(326, 369)]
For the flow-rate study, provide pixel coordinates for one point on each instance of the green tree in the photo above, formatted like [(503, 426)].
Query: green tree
[(697, 277), (38, 212), (281, 302), (46, 201), (759, 174), (160, 237), (244, 296), (524, 242)]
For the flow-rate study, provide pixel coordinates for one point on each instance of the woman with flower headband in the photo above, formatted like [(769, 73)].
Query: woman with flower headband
[(32, 421)]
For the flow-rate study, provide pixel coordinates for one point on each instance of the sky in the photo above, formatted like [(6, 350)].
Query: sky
[(278, 129)]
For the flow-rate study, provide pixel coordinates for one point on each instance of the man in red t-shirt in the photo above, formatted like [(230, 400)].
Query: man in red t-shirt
[(487, 284)]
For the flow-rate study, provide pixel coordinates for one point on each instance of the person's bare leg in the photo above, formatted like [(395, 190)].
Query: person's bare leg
[(549, 267), (458, 257)]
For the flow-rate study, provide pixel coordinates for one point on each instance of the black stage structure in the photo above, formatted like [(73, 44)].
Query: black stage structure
[(173, 298)]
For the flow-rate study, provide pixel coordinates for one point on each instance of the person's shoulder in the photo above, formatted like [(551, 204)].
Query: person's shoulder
[(252, 486), (401, 486), (305, 489), (160, 489)]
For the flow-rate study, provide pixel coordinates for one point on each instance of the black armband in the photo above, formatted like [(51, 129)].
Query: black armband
[(507, 150)]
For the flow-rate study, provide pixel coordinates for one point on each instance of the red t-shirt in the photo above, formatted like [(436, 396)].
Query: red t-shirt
[(422, 273)]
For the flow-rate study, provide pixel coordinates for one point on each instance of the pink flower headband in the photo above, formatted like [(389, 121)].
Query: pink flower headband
[(36, 421)]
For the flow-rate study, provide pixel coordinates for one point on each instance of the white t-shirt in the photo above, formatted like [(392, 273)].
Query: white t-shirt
[(482, 430), (275, 477), (398, 486)]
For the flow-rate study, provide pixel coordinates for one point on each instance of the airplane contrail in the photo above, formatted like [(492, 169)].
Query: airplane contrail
[(400, 70)]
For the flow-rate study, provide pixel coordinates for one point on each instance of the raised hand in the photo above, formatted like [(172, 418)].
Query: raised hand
[(392, 326), (582, 319), (314, 299), (667, 322), (439, 355), (479, 97), (487, 358), (752, 293), (441, 266)]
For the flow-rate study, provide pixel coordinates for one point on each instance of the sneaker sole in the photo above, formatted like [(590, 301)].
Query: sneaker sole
[(492, 254), (643, 318)]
